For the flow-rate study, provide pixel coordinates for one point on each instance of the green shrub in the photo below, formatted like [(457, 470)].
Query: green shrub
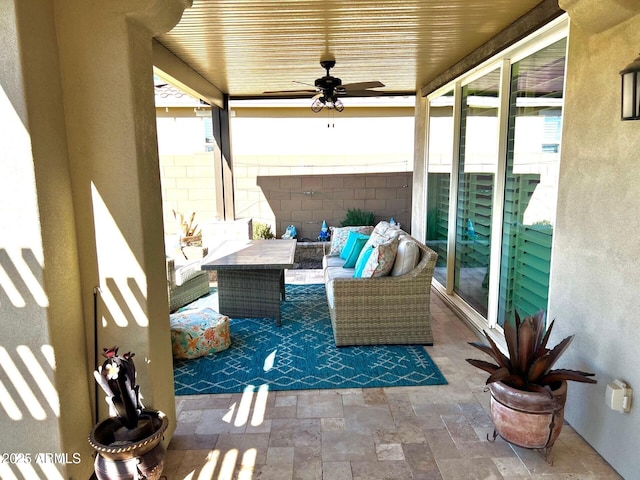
[(357, 217), (262, 231)]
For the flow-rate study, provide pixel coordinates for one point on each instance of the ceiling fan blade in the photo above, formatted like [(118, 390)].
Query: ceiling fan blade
[(304, 83), (317, 96), (362, 85), (361, 93), (290, 91), (313, 89)]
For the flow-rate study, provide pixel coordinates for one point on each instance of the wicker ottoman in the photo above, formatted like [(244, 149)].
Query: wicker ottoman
[(198, 332)]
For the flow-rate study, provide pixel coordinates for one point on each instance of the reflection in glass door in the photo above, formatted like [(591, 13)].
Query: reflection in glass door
[(493, 153), (441, 130), (531, 182), (477, 168)]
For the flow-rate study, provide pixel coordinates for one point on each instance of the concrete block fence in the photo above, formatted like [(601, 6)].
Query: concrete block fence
[(280, 197), (306, 200)]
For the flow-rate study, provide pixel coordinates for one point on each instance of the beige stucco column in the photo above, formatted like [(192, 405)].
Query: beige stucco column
[(80, 206), (44, 394), (420, 186), (596, 16)]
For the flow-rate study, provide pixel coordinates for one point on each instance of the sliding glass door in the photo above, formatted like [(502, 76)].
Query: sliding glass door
[(441, 130), (493, 151), (477, 168), (531, 186)]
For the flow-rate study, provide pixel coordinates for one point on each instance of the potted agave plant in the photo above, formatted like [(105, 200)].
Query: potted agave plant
[(128, 443), (527, 395)]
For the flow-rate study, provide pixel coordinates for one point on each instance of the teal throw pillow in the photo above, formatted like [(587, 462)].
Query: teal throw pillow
[(362, 261), (348, 245), (356, 248)]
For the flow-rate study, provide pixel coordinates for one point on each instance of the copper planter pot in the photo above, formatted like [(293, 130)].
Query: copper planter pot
[(527, 419)]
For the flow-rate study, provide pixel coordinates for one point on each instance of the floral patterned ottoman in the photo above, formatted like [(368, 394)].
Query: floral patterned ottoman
[(199, 332)]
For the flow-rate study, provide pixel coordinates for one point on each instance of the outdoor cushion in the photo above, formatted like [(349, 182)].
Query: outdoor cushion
[(381, 260), (329, 290), (198, 332), (407, 256), (383, 232), (330, 275), (384, 228), (354, 249), (184, 272), (348, 245), (362, 261), (338, 272), (333, 261), (339, 236)]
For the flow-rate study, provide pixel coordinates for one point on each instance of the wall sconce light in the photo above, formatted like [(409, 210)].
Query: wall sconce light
[(631, 91)]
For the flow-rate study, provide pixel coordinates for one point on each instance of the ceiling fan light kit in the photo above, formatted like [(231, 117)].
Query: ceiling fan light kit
[(331, 103)]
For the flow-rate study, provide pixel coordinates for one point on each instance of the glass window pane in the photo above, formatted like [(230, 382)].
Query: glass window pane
[(531, 186), (440, 160), (476, 177), (627, 100)]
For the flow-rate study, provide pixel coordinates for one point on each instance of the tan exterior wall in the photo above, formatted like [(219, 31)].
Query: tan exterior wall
[(81, 207), (595, 276), (44, 376), (306, 200)]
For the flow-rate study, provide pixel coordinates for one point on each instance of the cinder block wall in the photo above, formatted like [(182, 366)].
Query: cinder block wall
[(188, 185), (306, 200)]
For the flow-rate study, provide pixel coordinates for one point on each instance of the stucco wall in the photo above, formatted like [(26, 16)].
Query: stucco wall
[(78, 169), (43, 372), (595, 277)]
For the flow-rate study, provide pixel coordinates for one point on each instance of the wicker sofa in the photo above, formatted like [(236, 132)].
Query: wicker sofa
[(186, 282), (391, 309)]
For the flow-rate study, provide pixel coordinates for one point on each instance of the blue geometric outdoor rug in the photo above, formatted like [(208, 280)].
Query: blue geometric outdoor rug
[(300, 355)]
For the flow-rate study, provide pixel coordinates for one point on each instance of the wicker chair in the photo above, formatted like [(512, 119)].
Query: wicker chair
[(186, 282), (384, 310)]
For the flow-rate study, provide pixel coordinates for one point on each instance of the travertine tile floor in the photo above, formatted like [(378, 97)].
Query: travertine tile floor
[(436, 432)]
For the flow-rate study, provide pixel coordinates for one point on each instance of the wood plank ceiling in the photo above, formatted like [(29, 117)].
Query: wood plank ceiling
[(245, 48)]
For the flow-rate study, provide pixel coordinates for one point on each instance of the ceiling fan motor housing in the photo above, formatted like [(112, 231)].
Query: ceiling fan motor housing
[(328, 82)]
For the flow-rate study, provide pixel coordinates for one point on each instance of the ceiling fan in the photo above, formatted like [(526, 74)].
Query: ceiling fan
[(329, 88)]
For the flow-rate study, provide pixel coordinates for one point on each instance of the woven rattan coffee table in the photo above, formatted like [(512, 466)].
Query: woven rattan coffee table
[(251, 276)]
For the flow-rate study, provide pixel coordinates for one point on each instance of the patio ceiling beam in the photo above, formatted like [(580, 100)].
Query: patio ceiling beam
[(176, 72)]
